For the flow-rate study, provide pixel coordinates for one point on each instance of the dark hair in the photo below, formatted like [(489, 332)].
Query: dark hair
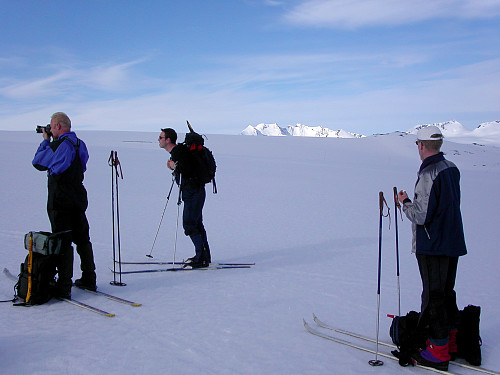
[(170, 133)]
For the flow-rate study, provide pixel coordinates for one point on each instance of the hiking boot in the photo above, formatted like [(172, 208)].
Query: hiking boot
[(435, 356), (62, 289), (64, 295), (59, 292), (87, 281), (196, 265)]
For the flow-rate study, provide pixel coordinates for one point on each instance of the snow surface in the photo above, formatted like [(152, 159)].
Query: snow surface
[(304, 209)]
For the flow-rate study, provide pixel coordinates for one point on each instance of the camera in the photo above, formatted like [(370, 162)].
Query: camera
[(46, 127)]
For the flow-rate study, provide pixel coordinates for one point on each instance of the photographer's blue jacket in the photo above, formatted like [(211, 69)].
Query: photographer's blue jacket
[(65, 160), (435, 210), (57, 156)]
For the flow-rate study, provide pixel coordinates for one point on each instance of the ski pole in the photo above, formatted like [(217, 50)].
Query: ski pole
[(376, 361), (179, 201), (396, 207), (114, 163), (161, 220)]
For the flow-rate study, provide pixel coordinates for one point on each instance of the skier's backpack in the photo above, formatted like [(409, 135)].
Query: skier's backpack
[(407, 336), (35, 287), (205, 161), (468, 338)]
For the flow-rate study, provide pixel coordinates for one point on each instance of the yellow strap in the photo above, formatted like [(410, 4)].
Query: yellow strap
[(30, 267)]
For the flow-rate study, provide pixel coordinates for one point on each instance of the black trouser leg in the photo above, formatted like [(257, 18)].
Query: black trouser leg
[(438, 275), (87, 264)]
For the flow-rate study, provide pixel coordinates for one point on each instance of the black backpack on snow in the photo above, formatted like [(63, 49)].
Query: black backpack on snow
[(203, 157), (35, 287), (409, 336), (43, 271), (468, 339)]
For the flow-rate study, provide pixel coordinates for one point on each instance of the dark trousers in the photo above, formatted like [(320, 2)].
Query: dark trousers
[(192, 221), (76, 221), (439, 303)]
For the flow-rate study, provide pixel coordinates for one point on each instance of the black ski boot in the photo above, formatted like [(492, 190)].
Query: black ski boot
[(87, 281)]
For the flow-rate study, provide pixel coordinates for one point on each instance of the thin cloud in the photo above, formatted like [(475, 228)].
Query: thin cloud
[(35, 88), (68, 79), (353, 14)]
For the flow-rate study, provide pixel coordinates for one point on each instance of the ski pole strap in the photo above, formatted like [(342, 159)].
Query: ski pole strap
[(396, 201), (383, 202), (114, 162)]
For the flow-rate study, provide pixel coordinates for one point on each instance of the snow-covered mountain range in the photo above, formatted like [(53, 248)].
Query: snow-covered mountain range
[(487, 132), (298, 130)]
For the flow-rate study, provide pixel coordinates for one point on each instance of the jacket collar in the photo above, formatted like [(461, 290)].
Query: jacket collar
[(431, 160)]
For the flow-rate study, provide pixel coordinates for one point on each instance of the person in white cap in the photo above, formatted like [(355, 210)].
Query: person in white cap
[(438, 241)]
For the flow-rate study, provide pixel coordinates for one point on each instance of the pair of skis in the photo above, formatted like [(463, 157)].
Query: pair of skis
[(83, 305), (212, 266), (342, 341)]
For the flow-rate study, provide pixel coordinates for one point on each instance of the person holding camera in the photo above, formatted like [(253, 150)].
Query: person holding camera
[(65, 160), (438, 241)]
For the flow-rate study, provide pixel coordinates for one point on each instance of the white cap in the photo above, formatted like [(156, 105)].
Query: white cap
[(429, 133)]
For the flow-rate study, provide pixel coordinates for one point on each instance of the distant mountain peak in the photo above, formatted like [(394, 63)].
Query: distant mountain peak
[(448, 128), (298, 130)]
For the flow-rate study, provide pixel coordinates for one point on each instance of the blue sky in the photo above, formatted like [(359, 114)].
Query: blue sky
[(366, 66)]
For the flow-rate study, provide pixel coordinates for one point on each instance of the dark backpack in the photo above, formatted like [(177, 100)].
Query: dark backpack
[(44, 247), (203, 157), (468, 338), (43, 271), (407, 336)]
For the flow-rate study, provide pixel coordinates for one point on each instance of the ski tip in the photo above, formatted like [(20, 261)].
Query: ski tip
[(109, 315), (135, 304)]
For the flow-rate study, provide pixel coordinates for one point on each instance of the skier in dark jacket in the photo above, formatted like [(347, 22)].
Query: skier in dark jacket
[(193, 195), (438, 241), (65, 160)]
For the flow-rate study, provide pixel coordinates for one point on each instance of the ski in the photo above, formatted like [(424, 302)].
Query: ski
[(392, 346), (182, 263), (86, 307), (73, 302), (179, 269), (112, 297), (368, 350)]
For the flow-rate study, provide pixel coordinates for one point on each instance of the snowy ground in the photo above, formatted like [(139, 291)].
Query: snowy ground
[(304, 209)]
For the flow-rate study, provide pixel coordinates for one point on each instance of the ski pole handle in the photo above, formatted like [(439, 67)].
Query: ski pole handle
[(396, 196)]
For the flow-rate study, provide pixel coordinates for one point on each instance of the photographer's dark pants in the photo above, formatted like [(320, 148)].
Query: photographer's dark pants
[(439, 303), (76, 221), (192, 221)]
